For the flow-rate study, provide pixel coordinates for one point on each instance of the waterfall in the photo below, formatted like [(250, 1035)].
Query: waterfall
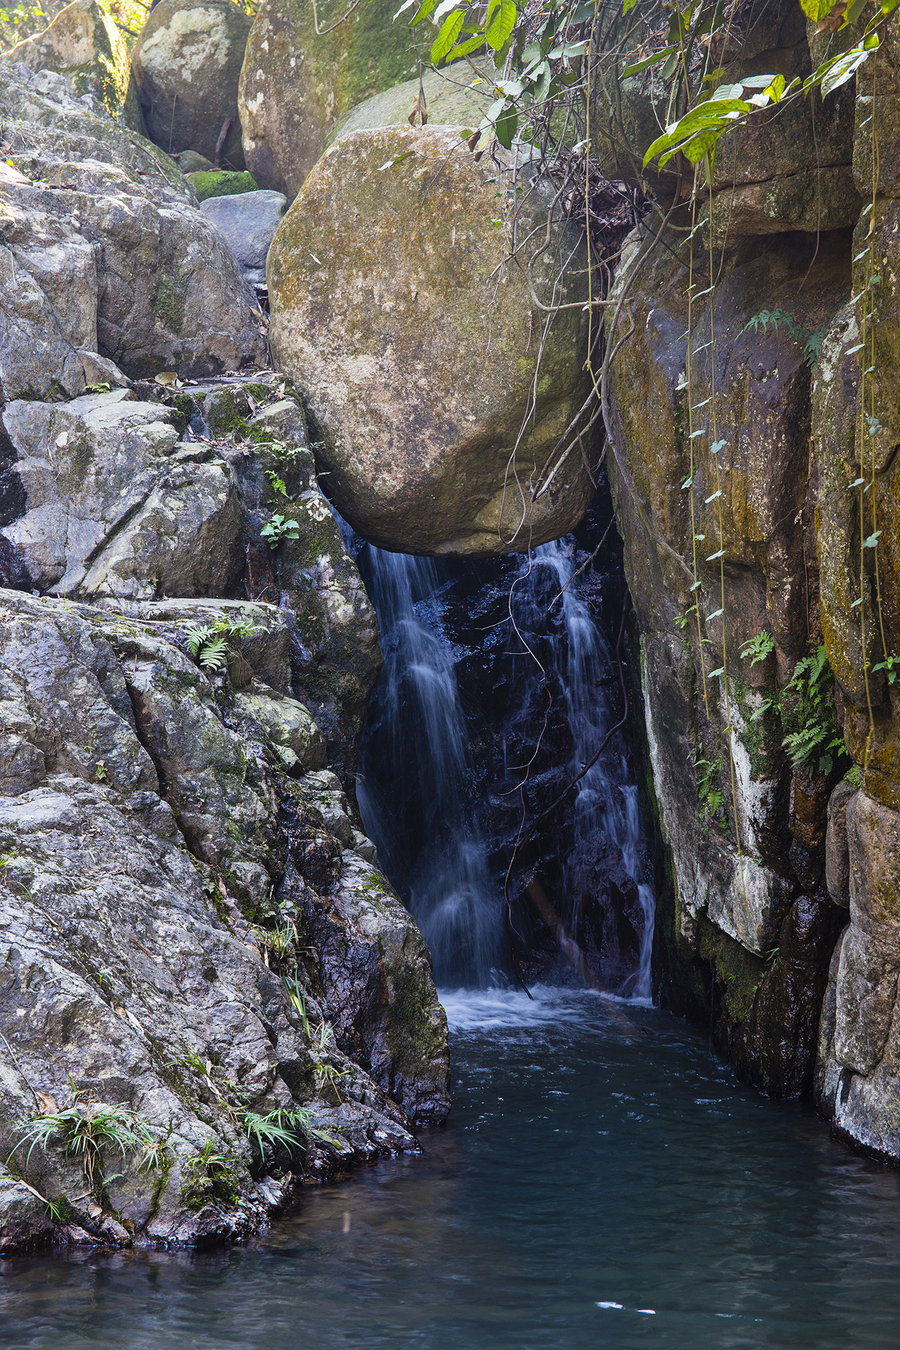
[(605, 804), (428, 790), (497, 706)]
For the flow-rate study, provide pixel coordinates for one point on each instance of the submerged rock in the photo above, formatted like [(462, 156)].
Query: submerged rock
[(415, 338), (187, 63)]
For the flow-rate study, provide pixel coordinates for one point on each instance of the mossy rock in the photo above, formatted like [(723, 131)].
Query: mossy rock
[(187, 64), (454, 97), (220, 183), (296, 85), (415, 345)]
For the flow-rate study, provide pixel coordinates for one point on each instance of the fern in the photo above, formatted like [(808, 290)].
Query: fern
[(213, 655), (812, 734)]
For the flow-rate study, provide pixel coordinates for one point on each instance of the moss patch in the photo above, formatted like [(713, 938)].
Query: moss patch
[(220, 183)]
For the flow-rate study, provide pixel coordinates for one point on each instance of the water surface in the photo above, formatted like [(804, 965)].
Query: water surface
[(603, 1184)]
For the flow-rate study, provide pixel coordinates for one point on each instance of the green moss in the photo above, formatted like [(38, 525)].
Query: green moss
[(737, 972), (171, 298), (220, 183)]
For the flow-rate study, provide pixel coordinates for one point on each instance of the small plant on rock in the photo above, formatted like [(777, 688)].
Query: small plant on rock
[(211, 1175), (86, 1133), (211, 644), (279, 527)]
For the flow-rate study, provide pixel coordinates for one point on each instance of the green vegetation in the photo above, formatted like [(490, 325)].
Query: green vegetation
[(811, 732), (220, 183), (211, 644), (87, 1133), (211, 1176), (279, 527)]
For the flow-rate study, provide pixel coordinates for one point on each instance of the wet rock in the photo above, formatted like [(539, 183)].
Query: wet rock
[(777, 1048), (83, 43), (422, 438), (296, 83), (26, 1220), (107, 254), (837, 849), (375, 973), (187, 63)]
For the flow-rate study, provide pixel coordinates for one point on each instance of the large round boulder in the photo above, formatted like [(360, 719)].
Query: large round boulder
[(408, 285), (296, 83), (187, 64)]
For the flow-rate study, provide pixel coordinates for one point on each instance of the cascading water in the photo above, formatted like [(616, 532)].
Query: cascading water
[(605, 805), (494, 778), (429, 779)]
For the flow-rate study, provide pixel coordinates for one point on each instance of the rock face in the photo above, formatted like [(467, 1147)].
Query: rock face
[(856, 421), (174, 750), (756, 908), (416, 345), (774, 851), (111, 496), (785, 169), (296, 84), (84, 44), (128, 772), (187, 64), (112, 260), (181, 874)]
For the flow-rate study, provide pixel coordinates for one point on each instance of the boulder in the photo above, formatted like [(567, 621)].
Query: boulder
[(187, 63), (454, 97), (248, 222), (417, 345), (107, 255), (83, 43), (158, 866), (297, 83), (191, 161)]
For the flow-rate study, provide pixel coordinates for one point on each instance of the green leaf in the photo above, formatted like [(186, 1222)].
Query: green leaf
[(506, 127), (872, 541), (648, 61), (446, 38), (817, 10), (853, 11), (422, 12), (465, 48), (501, 20)]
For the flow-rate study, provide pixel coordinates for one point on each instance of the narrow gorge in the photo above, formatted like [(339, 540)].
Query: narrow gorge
[(449, 643)]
